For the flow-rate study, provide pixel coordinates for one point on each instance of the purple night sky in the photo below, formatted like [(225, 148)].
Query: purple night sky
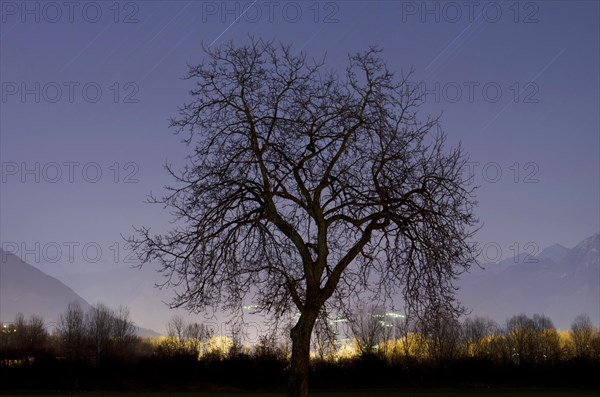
[(88, 87)]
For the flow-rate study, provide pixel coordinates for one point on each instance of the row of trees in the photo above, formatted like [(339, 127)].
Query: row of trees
[(105, 334), (98, 334), (523, 340), (198, 341)]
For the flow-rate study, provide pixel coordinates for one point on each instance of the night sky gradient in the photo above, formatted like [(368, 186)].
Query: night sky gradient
[(517, 84)]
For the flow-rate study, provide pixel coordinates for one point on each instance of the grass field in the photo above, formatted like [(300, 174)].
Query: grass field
[(360, 393)]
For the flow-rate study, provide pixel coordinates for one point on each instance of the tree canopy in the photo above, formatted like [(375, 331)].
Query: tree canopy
[(307, 187)]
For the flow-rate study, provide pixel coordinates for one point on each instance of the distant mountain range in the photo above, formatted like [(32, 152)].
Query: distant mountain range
[(25, 289), (558, 282)]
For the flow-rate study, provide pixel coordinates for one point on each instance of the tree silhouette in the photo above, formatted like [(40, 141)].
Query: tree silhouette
[(369, 329), (72, 331), (582, 334), (306, 188)]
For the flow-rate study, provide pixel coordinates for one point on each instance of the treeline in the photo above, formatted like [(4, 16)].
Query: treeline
[(101, 333), (436, 338), (99, 349)]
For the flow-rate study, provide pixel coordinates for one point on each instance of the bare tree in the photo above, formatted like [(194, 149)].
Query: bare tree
[(185, 339), (123, 335), (520, 334), (72, 331), (111, 332), (442, 334), (31, 336), (308, 187), (582, 335), (266, 347), (548, 348), (405, 331), (369, 328), (195, 335), (175, 343), (325, 333), (477, 333), (532, 339), (237, 336), (99, 320), (176, 329)]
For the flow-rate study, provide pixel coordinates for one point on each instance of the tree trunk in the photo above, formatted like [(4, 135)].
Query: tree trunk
[(300, 333)]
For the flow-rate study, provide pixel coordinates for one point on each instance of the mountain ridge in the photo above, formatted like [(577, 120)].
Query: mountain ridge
[(560, 284), (28, 290)]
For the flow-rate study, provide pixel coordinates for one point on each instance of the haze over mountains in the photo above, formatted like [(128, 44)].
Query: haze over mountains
[(26, 289), (559, 282)]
